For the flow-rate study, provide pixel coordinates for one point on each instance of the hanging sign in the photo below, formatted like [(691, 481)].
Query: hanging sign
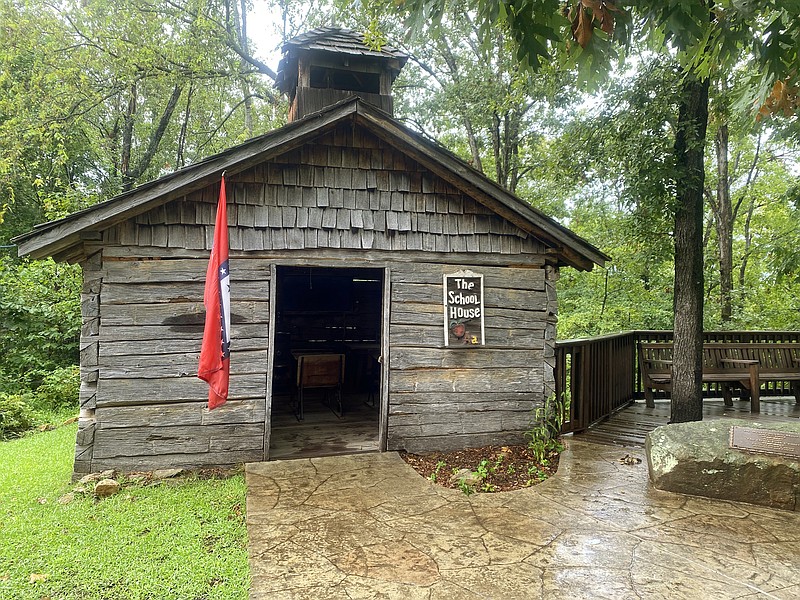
[(463, 309)]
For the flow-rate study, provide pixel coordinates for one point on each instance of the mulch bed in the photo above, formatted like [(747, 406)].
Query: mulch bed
[(506, 467)]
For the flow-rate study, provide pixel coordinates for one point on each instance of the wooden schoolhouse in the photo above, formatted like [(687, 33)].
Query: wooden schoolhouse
[(353, 240)]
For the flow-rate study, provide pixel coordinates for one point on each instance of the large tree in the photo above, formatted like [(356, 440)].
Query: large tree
[(96, 97), (99, 96), (705, 37)]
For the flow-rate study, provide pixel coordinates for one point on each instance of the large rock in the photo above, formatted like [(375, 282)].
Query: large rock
[(106, 488), (695, 458)]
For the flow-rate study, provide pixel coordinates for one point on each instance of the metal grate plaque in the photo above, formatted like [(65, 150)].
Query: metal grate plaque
[(766, 441)]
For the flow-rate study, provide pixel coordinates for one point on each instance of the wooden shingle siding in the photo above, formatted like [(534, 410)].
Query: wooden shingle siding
[(444, 398), (367, 197)]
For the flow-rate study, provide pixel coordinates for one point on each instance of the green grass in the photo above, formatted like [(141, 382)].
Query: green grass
[(180, 539)]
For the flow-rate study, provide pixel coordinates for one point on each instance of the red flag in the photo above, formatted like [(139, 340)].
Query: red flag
[(215, 353)]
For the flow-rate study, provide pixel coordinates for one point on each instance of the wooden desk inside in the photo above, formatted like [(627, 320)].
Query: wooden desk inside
[(322, 372)]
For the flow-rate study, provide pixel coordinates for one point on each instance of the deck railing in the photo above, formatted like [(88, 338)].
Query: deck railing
[(600, 375), (597, 376)]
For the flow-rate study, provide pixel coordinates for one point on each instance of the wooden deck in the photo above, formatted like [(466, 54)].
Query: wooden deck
[(629, 426)]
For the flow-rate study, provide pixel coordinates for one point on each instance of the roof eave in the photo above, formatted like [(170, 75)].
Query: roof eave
[(60, 237)]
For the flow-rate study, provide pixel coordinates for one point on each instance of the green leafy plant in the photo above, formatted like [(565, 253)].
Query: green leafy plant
[(435, 475), (16, 415), (498, 462), (39, 319), (465, 487), (544, 434), (536, 475), (482, 469), (59, 389)]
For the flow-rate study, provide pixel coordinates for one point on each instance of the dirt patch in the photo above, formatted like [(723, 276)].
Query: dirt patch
[(498, 468)]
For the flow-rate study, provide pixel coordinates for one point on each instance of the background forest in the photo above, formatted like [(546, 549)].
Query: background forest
[(97, 97)]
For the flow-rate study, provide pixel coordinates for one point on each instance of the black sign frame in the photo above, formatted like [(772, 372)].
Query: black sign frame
[(463, 310)]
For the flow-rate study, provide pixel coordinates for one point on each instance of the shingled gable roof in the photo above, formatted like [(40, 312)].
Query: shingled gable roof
[(58, 238)]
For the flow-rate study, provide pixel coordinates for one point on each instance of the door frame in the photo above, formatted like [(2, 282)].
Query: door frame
[(383, 414), (273, 288)]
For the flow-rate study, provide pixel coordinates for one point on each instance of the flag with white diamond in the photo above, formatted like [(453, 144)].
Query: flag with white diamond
[(215, 352)]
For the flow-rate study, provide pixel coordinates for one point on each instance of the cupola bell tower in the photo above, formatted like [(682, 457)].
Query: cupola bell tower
[(329, 64)]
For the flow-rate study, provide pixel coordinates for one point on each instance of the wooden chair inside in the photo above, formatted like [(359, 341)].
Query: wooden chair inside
[(322, 372)]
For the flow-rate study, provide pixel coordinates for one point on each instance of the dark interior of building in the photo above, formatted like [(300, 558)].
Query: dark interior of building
[(326, 372)]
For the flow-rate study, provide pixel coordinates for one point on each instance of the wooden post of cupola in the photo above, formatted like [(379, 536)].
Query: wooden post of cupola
[(329, 64)]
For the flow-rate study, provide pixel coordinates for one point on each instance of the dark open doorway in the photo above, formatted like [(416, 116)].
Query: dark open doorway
[(326, 371)]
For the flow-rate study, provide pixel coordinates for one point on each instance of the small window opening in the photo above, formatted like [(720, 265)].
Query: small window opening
[(339, 79)]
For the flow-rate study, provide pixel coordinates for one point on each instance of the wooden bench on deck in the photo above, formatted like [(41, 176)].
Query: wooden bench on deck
[(745, 364), (777, 361)]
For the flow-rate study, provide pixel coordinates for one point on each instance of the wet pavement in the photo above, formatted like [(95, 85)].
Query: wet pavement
[(368, 526)]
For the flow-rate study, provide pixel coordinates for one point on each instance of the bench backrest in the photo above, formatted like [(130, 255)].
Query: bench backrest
[(781, 357), (772, 357), (655, 358)]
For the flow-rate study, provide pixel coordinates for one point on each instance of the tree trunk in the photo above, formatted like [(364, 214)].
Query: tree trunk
[(455, 75), (751, 179), (155, 139), (748, 242), (497, 145), (687, 365), (243, 41), (724, 222), (179, 161)]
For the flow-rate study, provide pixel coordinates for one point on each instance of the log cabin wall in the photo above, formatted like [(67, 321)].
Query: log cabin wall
[(447, 398), (149, 403), (345, 199), (89, 355)]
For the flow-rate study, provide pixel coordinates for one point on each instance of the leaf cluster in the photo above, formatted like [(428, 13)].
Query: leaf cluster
[(39, 320)]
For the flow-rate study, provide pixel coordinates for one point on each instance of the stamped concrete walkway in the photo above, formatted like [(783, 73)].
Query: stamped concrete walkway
[(367, 526)]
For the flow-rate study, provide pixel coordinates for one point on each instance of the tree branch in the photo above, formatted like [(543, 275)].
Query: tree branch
[(155, 137)]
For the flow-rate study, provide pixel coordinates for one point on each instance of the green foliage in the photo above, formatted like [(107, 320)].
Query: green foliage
[(616, 167), (97, 96), (466, 489), (540, 30), (175, 540), (54, 401), (16, 415), (59, 390), (39, 320), (763, 34), (544, 436), (435, 475), (537, 475), (51, 403)]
